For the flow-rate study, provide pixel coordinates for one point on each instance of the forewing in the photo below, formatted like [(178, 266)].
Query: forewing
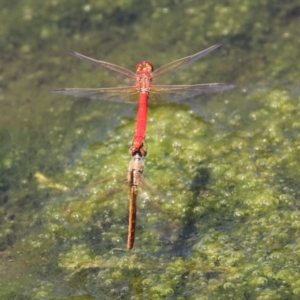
[(123, 72), (175, 93), (118, 94), (182, 63)]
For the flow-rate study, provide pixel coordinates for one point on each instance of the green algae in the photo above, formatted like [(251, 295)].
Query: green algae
[(231, 232), (220, 219)]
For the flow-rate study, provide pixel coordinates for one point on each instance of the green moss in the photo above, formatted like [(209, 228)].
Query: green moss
[(238, 230)]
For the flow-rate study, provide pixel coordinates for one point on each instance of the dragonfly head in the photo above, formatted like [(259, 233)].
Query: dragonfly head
[(144, 66)]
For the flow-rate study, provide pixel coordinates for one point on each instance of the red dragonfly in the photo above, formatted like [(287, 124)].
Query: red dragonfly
[(142, 86)]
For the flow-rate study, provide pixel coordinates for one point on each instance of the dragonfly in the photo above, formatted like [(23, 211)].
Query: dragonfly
[(134, 180), (141, 91)]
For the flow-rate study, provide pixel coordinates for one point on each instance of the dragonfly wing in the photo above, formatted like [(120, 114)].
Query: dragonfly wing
[(175, 93), (108, 66), (182, 63), (119, 94)]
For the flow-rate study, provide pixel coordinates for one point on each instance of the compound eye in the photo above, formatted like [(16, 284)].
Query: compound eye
[(139, 67), (149, 66)]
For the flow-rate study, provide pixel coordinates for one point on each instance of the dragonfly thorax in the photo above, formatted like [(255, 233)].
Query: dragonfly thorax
[(143, 82), (144, 71), (144, 76)]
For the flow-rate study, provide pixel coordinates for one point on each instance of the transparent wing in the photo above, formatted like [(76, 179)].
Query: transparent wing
[(182, 63), (105, 65), (128, 94), (160, 94)]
